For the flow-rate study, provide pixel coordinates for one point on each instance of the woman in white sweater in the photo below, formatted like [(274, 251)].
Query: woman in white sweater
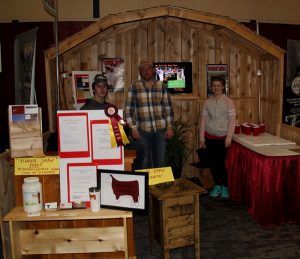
[(218, 119)]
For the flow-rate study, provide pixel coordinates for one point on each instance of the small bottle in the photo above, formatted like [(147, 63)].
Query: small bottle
[(94, 199), (32, 195)]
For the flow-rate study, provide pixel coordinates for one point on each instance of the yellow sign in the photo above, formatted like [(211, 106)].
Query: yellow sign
[(37, 165), (159, 175)]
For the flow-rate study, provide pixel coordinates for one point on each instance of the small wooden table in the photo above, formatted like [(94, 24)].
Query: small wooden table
[(79, 232), (174, 215)]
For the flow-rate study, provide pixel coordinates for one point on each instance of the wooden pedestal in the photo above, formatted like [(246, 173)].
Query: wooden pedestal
[(174, 215)]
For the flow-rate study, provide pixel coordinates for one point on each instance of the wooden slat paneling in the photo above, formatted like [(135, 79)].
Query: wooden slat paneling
[(210, 49), (172, 40), (138, 49), (190, 48), (156, 40), (202, 89), (184, 38)]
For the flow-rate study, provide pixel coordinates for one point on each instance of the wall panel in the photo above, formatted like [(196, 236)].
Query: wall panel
[(156, 40), (190, 48), (175, 39)]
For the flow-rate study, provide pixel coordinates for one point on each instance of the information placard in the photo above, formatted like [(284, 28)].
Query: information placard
[(48, 165), (159, 175)]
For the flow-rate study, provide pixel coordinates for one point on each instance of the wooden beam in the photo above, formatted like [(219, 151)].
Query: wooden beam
[(160, 11)]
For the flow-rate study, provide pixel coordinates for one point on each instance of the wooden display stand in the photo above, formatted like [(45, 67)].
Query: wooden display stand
[(68, 232), (84, 226), (174, 215)]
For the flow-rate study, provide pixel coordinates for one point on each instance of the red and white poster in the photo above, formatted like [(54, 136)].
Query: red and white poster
[(102, 152), (83, 140), (213, 70), (82, 86), (114, 68), (81, 176), (70, 126)]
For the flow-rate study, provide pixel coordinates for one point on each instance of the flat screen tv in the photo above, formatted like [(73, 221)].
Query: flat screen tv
[(176, 75)]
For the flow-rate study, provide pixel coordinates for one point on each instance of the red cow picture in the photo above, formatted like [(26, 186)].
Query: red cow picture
[(125, 188)]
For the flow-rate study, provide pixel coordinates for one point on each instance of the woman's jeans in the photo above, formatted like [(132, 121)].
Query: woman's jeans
[(151, 149)]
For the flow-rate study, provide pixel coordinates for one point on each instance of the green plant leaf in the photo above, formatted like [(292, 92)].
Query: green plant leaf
[(176, 149)]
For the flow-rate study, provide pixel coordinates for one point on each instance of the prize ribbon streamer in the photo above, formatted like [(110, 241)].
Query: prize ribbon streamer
[(117, 133)]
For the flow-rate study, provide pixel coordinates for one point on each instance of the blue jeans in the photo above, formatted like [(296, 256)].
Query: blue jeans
[(151, 149)]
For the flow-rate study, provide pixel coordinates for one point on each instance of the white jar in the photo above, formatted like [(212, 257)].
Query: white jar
[(32, 195)]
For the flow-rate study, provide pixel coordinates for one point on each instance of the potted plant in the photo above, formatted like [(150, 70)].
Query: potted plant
[(176, 149)]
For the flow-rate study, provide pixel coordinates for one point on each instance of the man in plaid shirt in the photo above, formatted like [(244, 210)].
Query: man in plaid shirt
[(149, 114)]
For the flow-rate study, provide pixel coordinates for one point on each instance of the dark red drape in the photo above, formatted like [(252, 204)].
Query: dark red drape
[(269, 186)]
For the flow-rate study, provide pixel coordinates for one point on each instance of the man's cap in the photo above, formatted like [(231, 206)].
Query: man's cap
[(100, 78), (145, 63)]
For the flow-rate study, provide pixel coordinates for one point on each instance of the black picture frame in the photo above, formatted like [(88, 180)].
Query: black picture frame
[(169, 72), (123, 190)]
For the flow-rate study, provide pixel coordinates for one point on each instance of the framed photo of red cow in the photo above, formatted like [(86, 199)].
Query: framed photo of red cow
[(123, 190)]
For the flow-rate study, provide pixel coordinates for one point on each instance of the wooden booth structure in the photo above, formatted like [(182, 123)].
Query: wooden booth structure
[(167, 33)]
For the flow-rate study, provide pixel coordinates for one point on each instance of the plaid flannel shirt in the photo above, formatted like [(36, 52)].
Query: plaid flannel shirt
[(149, 110)]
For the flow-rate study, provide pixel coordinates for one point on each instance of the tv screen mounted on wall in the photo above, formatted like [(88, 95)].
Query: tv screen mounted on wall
[(176, 75)]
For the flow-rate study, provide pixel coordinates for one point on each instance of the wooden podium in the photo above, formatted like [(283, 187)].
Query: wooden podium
[(174, 215)]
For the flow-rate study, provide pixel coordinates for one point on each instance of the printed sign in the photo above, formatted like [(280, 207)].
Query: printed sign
[(48, 165), (292, 87), (159, 175)]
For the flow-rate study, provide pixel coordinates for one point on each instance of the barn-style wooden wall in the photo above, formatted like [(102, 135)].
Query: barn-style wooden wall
[(172, 38)]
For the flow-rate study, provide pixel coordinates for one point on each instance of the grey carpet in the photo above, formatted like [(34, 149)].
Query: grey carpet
[(227, 231)]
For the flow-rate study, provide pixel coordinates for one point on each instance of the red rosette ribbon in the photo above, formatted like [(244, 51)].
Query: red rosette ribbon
[(111, 111)]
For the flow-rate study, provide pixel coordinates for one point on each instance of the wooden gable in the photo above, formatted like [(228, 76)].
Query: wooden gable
[(168, 33)]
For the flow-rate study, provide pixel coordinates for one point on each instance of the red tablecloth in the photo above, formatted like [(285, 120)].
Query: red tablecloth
[(269, 186)]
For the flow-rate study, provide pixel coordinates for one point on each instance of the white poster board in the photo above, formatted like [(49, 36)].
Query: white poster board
[(112, 163)]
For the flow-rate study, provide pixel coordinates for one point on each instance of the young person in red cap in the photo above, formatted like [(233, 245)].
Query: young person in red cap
[(149, 114)]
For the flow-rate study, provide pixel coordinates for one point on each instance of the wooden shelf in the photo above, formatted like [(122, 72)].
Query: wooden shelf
[(79, 232), (18, 214)]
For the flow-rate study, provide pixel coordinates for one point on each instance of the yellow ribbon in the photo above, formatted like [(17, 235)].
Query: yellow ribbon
[(123, 135), (113, 138)]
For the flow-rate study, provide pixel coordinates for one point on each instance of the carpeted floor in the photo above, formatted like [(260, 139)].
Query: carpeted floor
[(227, 231)]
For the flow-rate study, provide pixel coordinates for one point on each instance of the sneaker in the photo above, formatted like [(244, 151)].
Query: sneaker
[(216, 191), (224, 192)]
